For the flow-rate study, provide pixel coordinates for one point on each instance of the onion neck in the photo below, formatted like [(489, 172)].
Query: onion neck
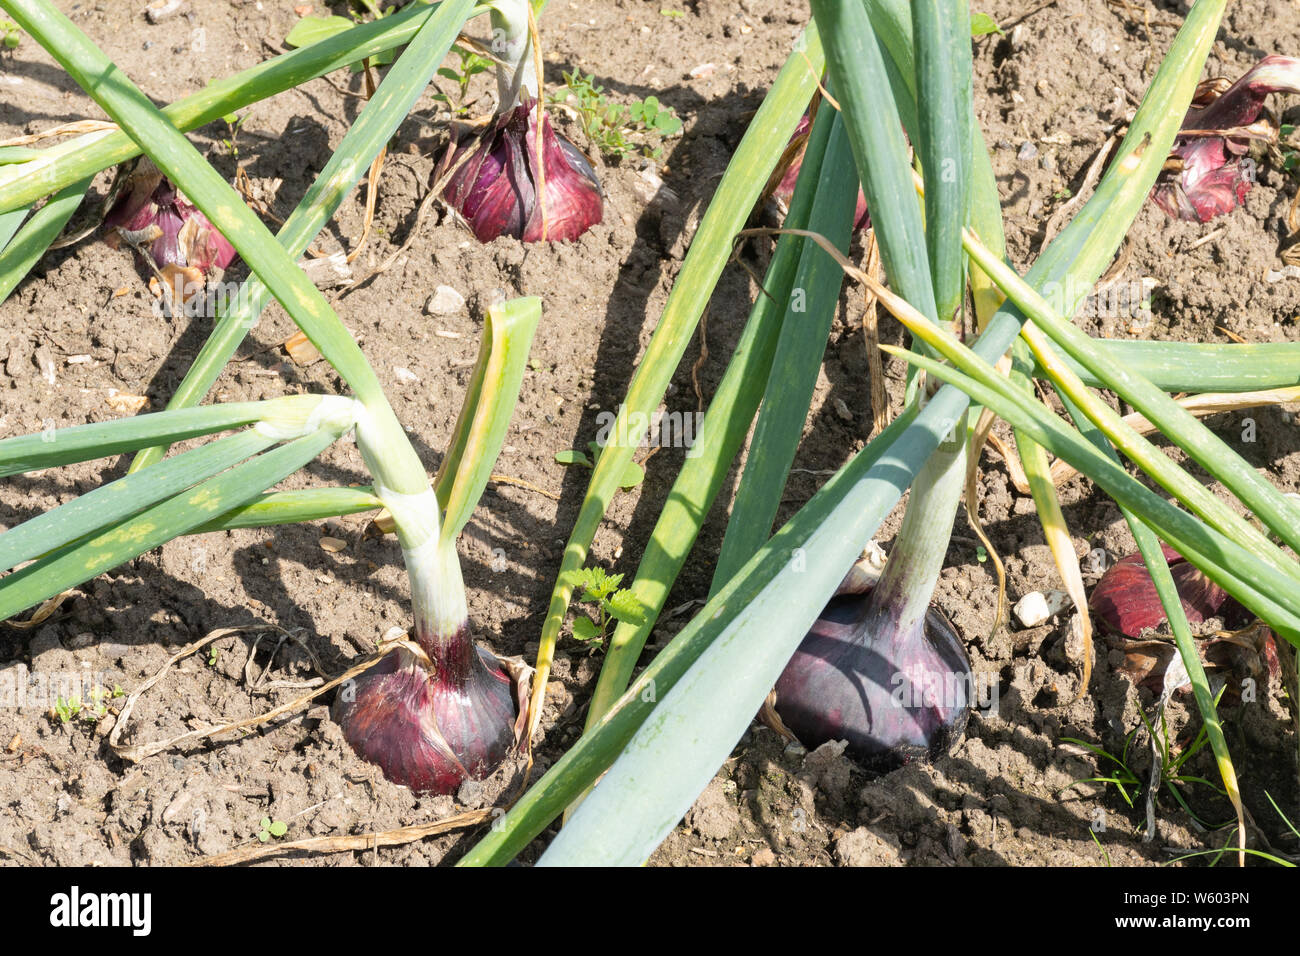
[(902, 596), (437, 589), (512, 46)]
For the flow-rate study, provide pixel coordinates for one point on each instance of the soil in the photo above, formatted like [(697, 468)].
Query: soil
[(81, 334)]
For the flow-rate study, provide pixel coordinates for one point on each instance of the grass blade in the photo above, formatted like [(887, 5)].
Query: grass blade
[(9, 223), (295, 507), (489, 404), (943, 141), (35, 237), (856, 65), (1198, 366)]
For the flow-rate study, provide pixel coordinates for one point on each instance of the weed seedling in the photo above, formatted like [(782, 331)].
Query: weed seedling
[(471, 64), (271, 828), (66, 709), (10, 35), (615, 129), (612, 603), (633, 474), (89, 711), (234, 122), (1127, 782)]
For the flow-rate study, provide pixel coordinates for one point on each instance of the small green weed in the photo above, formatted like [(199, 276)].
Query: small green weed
[(617, 130), (612, 603)]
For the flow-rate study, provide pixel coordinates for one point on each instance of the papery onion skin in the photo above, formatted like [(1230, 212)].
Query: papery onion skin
[(495, 189), (895, 697), (1213, 180), (182, 242), (428, 730), (1125, 598), (783, 192)]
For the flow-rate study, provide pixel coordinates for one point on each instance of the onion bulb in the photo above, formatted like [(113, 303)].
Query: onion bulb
[(1212, 178), (895, 694), (1125, 598), (881, 667), (494, 177), (782, 189), (431, 723), (151, 213)]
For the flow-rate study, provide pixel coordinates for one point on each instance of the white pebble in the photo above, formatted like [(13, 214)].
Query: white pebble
[(1036, 607), (445, 301)]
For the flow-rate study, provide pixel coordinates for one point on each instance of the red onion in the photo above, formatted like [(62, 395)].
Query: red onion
[(1125, 598), (882, 668), (430, 728), (494, 189), (783, 191), (153, 213), (894, 693), (1213, 179)]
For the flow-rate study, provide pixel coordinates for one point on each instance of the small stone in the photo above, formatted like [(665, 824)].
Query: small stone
[(764, 857), (1027, 151), (842, 410), (1036, 607), (405, 375), (828, 766), (160, 10), (45, 362), (445, 301), (18, 359), (328, 272)]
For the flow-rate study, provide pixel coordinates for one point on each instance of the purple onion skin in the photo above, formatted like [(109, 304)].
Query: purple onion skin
[(784, 190), (1213, 180), (894, 696), (495, 190), (1125, 598), (427, 731), (181, 240)]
